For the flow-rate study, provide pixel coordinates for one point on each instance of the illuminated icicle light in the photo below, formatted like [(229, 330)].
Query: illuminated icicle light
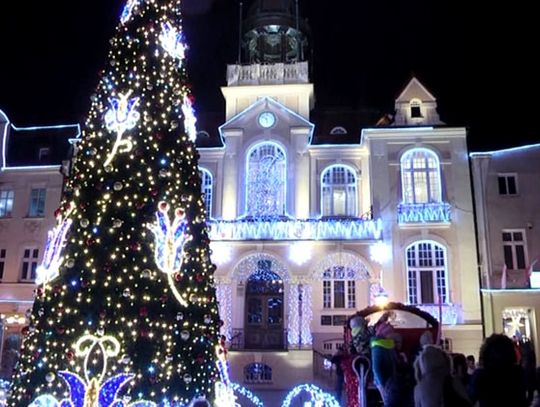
[(189, 119), (172, 41), (48, 270), (318, 397), (128, 10), (93, 391), (169, 240), (224, 396), (121, 117)]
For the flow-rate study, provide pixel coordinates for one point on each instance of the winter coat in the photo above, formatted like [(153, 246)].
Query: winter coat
[(432, 368)]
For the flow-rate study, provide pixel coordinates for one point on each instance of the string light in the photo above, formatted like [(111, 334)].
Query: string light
[(318, 398)]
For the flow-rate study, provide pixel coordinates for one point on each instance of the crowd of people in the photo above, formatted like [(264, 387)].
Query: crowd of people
[(504, 375)]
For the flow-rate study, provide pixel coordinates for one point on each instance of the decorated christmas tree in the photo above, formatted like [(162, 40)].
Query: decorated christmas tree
[(125, 312)]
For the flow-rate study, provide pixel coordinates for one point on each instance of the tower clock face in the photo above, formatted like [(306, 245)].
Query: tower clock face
[(267, 119)]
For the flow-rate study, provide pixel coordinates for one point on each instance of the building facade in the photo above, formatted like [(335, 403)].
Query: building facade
[(313, 220), (31, 180), (507, 198)]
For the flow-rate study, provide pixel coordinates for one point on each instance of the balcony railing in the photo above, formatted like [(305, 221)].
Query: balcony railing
[(438, 212), (267, 74), (451, 314), (294, 229), (259, 340)]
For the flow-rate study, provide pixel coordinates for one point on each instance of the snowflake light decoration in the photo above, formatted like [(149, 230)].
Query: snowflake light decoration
[(48, 270), (172, 41), (121, 117)]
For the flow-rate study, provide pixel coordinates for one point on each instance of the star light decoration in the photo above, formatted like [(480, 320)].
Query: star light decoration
[(93, 391), (172, 42), (121, 117), (169, 240), (48, 270)]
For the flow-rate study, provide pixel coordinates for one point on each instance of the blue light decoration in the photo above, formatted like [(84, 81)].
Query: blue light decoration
[(189, 119), (4, 388), (247, 394), (169, 241), (295, 229), (438, 212), (128, 10), (48, 270), (93, 391), (318, 398), (121, 117), (172, 41)]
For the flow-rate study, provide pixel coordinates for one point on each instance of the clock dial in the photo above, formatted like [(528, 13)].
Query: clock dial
[(267, 119)]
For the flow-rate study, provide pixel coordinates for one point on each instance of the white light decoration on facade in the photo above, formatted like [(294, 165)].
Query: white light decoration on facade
[(318, 398), (224, 299), (451, 313), (293, 328), (247, 394), (307, 316), (48, 270), (170, 239), (292, 229), (516, 322), (250, 264), (300, 252), (121, 117), (221, 253), (300, 316), (189, 119), (380, 252), (424, 213), (172, 41), (350, 262)]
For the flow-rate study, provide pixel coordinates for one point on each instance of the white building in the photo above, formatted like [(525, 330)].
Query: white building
[(507, 199), (309, 221), (31, 182)]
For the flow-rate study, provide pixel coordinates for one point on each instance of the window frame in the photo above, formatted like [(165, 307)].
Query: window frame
[(506, 177), (327, 190), (3, 254), (433, 184), (513, 245), (207, 189), (34, 212), (438, 257), (265, 376), (8, 201), (416, 104), (349, 293), (278, 150), (28, 274)]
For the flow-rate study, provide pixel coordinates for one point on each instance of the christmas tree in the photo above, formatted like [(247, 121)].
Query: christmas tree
[(125, 312)]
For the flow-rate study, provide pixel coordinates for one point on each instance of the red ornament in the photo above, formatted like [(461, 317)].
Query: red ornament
[(143, 311), (164, 298), (200, 359), (102, 314), (199, 277), (57, 212), (90, 241), (177, 276), (25, 330), (60, 330), (154, 192), (179, 212), (135, 246), (70, 355)]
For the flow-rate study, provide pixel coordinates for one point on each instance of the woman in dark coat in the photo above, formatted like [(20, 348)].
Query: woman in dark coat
[(499, 380)]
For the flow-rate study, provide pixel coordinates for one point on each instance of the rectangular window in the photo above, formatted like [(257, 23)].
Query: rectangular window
[(426, 286), (2, 262), (326, 320), (339, 294), (413, 296), (351, 294), (327, 294), (514, 249), (6, 202), (416, 112), (29, 264), (37, 203), (339, 320), (507, 184)]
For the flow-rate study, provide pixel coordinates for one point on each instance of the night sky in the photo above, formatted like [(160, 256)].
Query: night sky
[(479, 64)]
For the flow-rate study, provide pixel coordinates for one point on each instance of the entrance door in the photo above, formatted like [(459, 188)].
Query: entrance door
[(264, 310)]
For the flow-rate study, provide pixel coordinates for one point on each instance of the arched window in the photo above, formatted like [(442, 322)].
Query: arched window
[(427, 281), (420, 177), (206, 189), (266, 180), (339, 287), (338, 191), (257, 373)]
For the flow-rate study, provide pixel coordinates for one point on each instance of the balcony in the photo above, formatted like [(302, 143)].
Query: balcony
[(269, 74), (294, 229), (259, 340), (451, 314), (438, 212)]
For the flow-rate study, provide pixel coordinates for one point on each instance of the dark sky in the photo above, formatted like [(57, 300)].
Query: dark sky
[(478, 63)]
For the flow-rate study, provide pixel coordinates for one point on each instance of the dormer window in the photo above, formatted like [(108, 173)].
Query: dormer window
[(44, 153), (338, 131), (416, 109)]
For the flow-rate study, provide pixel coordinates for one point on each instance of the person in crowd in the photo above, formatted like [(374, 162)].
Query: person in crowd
[(499, 380), (459, 368), (471, 365), (528, 363), (337, 360)]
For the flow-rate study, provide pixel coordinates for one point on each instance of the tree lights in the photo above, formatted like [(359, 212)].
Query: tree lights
[(120, 279)]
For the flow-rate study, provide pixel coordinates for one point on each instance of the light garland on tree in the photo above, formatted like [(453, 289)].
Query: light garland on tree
[(128, 10), (172, 41), (121, 117), (189, 119), (93, 391), (48, 270), (170, 239)]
